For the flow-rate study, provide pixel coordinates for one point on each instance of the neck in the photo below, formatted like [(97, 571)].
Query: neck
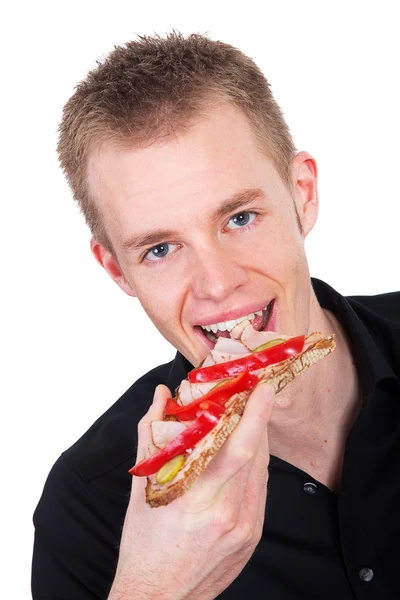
[(324, 401)]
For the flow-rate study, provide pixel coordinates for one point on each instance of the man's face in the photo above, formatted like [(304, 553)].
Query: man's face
[(204, 231)]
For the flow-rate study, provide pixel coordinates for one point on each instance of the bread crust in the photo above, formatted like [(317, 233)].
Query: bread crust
[(279, 376)]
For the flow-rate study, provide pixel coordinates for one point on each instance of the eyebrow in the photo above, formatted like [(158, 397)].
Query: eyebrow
[(231, 205), (237, 202)]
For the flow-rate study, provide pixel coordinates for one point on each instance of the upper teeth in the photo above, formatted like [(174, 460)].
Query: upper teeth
[(229, 325)]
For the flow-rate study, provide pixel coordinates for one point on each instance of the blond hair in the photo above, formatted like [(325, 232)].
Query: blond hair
[(156, 87)]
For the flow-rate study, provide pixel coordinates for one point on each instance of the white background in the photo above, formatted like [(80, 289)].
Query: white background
[(72, 342)]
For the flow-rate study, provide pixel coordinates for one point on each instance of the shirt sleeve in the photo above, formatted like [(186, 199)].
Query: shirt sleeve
[(76, 548)]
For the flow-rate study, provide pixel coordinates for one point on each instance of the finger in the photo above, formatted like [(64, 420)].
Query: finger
[(252, 506), (161, 395), (249, 441), (145, 441), (155, 413), (255, 493), (230, 469), (248, 485)]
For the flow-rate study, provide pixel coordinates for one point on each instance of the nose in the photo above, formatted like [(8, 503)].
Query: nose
[(216, 274)]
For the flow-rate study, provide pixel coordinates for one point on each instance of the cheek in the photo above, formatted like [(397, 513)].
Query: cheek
[(278, 250), (160, 295)]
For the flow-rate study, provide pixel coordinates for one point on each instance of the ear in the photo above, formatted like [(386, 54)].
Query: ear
[(305, 180), (107, 260)]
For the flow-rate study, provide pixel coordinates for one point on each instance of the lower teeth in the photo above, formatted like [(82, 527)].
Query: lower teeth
[(210, 336)]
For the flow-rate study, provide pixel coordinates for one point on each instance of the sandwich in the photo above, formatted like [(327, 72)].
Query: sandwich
[(209, 403)]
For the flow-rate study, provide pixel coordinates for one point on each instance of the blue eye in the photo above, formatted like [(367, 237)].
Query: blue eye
[(160, 251), (242, 219), (157, 252)]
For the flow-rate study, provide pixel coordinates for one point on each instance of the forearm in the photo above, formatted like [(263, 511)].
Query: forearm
[(137, 591), (125, 591), (127, 588)]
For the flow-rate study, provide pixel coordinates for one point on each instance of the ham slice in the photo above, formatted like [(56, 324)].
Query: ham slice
[(228, 349), (164, 432), (191, 391), (253, 339), (184, 393), (237, 331), (208, 361)]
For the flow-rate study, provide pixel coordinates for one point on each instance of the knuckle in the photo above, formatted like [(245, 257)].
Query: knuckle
[(237, 533), (263, 416), (242, 536), (244, 532), (225, 522), (242, 455)]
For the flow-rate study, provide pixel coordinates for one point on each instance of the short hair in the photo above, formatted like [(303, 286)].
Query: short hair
[(157, 87)]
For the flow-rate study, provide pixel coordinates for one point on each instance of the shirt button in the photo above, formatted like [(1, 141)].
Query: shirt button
[(366, 574), (309, 488)]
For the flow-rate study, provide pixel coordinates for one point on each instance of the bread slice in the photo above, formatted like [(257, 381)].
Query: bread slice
[(278, 375)]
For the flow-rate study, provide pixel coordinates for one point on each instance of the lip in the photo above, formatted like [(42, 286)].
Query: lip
[(203, 338), (233, 314), (270, 325)]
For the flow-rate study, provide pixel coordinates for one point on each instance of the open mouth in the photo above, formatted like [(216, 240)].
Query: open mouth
[(259, 320)]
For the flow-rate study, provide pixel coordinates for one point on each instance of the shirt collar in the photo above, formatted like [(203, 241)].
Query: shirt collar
[(371, 363), (367, 350)]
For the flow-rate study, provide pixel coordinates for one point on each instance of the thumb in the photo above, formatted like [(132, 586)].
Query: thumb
[(161, 395), (145, 440), (155, 413)]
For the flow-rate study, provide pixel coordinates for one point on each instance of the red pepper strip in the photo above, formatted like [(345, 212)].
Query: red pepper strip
[(252, 362), (184, 441), (213, 407), (222, 393), (171, 405)]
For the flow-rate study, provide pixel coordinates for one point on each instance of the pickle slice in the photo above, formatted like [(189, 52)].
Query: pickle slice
[(269, 344), (219, 384), (170, 469)]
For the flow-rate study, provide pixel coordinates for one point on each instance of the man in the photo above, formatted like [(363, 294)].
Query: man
[(199, 206)]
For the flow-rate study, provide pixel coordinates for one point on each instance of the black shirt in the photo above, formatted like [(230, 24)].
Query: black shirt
[(315, 544)]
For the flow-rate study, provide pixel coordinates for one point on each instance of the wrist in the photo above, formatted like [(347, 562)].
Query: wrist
[(130, 589)]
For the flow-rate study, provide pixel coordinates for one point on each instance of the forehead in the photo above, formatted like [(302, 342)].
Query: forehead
[(182, 177)]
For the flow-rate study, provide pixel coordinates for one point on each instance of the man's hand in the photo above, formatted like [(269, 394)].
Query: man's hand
[(197, 545)]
